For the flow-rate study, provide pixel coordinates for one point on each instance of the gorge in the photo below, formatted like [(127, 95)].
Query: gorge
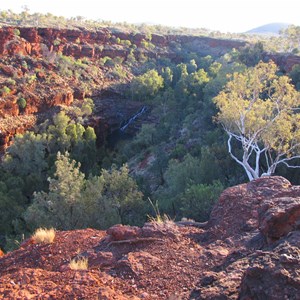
[(110, 136)]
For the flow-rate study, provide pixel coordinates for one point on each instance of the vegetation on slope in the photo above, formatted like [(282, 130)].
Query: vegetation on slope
[(56, 176)]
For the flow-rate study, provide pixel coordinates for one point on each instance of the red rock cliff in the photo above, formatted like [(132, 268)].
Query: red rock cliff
[(28, 58)]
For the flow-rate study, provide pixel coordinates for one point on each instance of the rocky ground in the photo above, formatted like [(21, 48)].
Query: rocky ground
[(249, 249)]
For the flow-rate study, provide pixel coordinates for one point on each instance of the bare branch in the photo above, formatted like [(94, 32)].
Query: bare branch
[(290, 166), (250, 176)]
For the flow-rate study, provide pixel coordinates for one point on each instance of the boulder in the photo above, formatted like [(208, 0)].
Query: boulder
[(122, 232), (278, 217), (274, 273), (237, 211)]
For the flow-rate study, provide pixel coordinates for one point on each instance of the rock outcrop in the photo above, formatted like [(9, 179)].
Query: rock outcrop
[(250, 249), (285, 61), (83, 43), (259, 223), (248, 201)]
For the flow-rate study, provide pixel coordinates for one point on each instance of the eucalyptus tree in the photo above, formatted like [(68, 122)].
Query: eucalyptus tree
[(259, 111)]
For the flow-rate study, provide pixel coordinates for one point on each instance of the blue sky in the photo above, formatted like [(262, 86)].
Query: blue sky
[(222, 15)]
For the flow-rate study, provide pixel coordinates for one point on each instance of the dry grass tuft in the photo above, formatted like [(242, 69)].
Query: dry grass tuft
[(79, 264), (43, 235), (159, 219)]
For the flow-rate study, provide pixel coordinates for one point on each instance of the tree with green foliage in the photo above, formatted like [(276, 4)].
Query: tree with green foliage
[(178, 176), (196, 82), (76, 202), (295, 75), (146, 86), (66, 135), (250, 55), (87, 106), (167, 75), (205, 62), (292, 36), (214, 69), (12, 203), (61, 207), (121, 191), (180, 72), (198, 200), (259, 111), (192, 66), (58, 139), (25, 158)]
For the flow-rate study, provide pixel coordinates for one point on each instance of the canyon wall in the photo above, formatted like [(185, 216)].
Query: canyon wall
[(27, 52), (82, 43)]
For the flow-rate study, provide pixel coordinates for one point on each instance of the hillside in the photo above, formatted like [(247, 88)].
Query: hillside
[(272, 29), (50, 67), (108, 125), (254, 256), (104, 125)]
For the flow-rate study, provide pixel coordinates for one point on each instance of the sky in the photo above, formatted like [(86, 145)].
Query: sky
[(221, 15)]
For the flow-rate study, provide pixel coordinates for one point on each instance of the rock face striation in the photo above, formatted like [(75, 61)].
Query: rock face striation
[(83, 43), (250, 249)]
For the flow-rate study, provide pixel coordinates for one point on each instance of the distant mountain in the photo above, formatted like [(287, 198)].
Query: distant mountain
[(269, 29)]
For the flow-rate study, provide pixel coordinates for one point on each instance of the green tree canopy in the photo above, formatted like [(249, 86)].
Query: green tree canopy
[(61, 206), (259, 111), (295, 75), (292, 34), (76, 202), (146, 86)]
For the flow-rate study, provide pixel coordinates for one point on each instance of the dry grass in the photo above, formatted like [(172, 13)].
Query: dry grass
[(159, 219), (79, 264), (43, 235)]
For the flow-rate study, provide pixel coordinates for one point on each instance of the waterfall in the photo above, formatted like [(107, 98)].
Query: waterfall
[(133, 118)]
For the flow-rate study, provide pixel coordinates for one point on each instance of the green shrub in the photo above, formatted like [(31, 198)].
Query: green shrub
[(22, 103), (17, 32), (11, 81), (109, 62), (126, 43), (198, 200), (5, 90)]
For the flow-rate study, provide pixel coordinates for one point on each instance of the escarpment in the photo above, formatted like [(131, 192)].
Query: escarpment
[(44, 68), (49, 67)]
